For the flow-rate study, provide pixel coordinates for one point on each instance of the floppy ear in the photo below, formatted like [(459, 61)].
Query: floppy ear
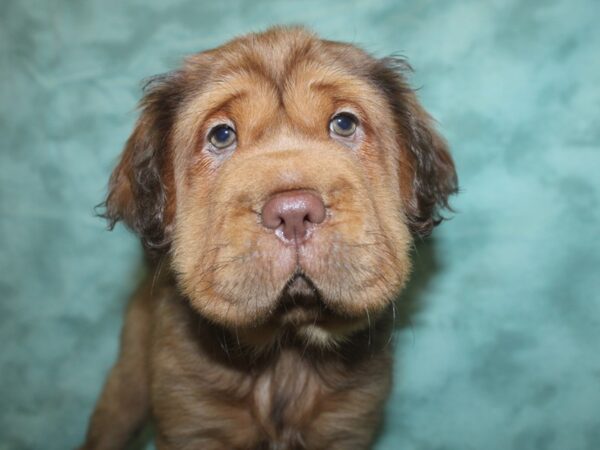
[(141, 187), (427, 171)]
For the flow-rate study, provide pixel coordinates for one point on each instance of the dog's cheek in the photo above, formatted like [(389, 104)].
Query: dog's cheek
[(370, 261), (191, 254), (225, 263)]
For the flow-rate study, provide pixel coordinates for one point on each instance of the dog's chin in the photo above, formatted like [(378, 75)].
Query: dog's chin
[(303, 318)]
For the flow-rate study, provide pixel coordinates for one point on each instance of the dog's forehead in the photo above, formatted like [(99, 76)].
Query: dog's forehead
[(283, 76), (277, 55)]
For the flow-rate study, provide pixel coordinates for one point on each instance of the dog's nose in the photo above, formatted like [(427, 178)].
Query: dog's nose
[(293, 214)]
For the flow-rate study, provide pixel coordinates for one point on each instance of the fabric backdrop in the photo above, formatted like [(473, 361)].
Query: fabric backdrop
[(498, 345)]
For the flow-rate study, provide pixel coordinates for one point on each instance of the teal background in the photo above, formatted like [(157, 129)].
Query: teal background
[(499, 343)]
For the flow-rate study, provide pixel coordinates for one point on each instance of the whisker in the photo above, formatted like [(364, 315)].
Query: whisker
[(157, 274), (369, 322), (393, 327)]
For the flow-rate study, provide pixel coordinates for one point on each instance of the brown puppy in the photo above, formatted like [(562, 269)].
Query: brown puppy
[(278, 180)]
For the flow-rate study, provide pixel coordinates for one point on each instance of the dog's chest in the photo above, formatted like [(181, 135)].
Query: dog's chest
[(285, 398)]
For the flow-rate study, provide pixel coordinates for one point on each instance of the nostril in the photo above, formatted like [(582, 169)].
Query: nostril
[(316, 212), (271, 217), (271, 221)]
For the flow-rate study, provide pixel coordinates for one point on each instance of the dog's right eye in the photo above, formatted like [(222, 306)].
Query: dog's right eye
[(343, 124), (222, 136)]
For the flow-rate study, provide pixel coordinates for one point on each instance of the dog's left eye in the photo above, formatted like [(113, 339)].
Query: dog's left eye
[(222, 136), (343, 124)]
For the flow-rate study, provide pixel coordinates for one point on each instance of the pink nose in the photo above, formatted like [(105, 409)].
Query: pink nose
[(293, 214)]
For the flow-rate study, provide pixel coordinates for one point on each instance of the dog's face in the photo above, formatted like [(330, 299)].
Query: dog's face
[(285, 175)]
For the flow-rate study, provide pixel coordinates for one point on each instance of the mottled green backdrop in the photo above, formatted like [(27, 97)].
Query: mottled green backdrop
[(499, 345)]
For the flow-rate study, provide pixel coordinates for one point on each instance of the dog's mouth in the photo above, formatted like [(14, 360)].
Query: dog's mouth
[(300, 302), (300, 287), (302, 315)]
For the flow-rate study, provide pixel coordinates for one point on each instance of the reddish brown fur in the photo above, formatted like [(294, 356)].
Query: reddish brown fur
[(225, 352)]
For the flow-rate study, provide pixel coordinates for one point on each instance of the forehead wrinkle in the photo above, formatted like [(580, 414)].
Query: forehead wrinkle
[(215, 96), (275, 55), (264, 114), (345, 86), (273, 61), (320, 87)]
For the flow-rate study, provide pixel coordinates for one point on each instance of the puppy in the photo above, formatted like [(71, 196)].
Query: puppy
[(277, 183)]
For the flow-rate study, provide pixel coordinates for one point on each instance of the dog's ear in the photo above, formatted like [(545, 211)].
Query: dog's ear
[(427, 171), (141, 187)]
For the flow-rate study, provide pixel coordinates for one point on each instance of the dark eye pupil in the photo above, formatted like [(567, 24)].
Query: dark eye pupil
[(344, 122), (222, 134)]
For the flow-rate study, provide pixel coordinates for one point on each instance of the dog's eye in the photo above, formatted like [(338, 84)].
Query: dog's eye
[(343, 124), (222, 136)]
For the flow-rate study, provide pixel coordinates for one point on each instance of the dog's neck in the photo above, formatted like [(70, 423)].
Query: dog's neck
[(281, 388)]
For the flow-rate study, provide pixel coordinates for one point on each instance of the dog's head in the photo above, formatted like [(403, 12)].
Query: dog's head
[(286, 176)]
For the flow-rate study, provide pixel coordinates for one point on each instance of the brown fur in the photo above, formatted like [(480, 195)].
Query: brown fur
[(225, 351)]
